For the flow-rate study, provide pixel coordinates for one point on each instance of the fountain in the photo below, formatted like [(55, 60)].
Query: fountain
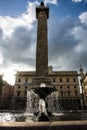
[(32, 102), (38, 100)]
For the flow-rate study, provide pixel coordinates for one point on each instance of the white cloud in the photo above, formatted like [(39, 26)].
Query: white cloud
[(51, 1), (80, 33), (8, 24), (83, 18), (78, 1), (1, 59)]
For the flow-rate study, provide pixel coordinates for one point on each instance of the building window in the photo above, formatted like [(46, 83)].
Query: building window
[(61, 93), (25, 93), (68, 87), (76, 93), (19, 87), (68, 93), (67, 80), (25, 87), (61, 87), (26, 80), (53, 80), (75, 87), (18, 93), (60, 79), (74, 80), (64, 93), (19, 80), (54, 87)]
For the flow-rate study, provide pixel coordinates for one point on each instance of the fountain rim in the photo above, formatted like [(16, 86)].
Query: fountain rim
[(47, 90)]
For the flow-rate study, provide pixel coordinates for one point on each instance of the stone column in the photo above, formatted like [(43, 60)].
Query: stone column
[(42, 13)]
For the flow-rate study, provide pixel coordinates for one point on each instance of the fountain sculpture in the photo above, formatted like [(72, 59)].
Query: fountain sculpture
[(38, 101)]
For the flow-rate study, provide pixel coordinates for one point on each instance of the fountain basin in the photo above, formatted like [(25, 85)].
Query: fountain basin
[(65, 125), (26, 117), (44, 91)]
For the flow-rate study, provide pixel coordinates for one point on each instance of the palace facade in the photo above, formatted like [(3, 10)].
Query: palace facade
[(66, 83)]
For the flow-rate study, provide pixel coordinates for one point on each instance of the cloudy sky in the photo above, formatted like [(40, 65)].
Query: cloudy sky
[(67, 35)]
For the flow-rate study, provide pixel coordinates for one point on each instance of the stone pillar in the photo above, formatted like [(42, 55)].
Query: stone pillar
[(42, 13)]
